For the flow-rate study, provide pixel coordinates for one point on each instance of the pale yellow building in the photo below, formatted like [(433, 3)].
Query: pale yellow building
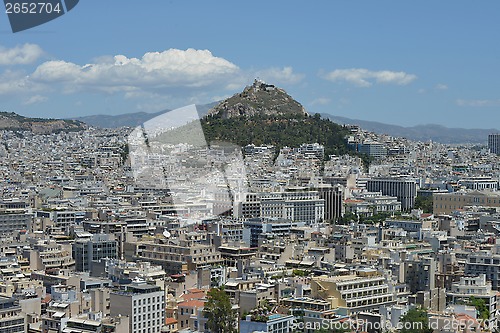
[(367, 290), (447, 203)]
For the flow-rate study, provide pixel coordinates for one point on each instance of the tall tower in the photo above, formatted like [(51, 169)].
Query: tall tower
[(494, 143)]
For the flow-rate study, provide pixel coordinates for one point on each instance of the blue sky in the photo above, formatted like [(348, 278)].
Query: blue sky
[(397, 62)]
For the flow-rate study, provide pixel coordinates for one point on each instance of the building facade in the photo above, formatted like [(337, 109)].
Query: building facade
[(494, 143), (98, 247), (143, 303), (405, 190)]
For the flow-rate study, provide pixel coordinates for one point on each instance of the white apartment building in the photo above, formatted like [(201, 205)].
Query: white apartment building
[(477, 287), (143, 303)]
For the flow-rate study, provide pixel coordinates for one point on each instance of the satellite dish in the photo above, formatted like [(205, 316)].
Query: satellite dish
[(166, 234)]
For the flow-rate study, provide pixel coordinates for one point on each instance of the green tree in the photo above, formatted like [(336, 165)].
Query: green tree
[(481, 307), (415, 321), (424, 203), (218, 310)]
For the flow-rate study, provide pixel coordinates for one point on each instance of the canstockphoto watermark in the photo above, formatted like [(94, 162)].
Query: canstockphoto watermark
[(450, 324), (170, 153), (26, 14)]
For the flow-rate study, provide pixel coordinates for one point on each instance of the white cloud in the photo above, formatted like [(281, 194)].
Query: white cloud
[(35, 100), (20, 54), (283, 75), (154, 81), (365, 78), (478, 102), (155, 70), (16, 82), (321, 101), (441, 86)]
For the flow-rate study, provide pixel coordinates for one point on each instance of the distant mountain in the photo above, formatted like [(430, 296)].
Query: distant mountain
[(12, 121), (258, 99), (432, 132), (132, 119), (122, 120)]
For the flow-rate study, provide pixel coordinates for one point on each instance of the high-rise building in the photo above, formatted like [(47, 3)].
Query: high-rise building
[(333, 196), (405, 190), (494, 143), (144, 304)]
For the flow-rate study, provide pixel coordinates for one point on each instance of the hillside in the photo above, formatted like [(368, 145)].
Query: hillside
[(14, 122), (279, 131), (258, 99), (265, 114)]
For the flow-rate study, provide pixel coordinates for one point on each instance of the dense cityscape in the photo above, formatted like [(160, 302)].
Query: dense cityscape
[(131, 230)]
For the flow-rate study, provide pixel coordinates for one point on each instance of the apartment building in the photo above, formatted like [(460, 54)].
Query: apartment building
[(487, 263), (12, 222), (174, 256), (87, 251), (11, 318), (365, 291), (477, 287), (144, 304)]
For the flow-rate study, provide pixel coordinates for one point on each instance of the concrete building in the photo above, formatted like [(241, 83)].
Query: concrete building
[(487, 263), (190, 315), (87, 251), (276, 323), (367, 290), (420, 273), (185, 254), (296, 204), (260, 227), (13, 222), (477, 287), (62, 220), (47, 254), (405, 190), (144, 304), (494, 143), (333, 197), (11, 318), (373, 149), (447, 203), (479, 183)]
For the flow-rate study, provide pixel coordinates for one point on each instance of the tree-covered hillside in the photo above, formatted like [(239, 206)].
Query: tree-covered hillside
[(277, 130)]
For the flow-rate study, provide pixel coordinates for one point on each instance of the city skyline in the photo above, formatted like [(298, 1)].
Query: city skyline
[(399, 64)]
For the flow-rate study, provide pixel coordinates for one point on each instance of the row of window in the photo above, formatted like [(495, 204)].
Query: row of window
[(149, 300), (147, 324), (138, 309)]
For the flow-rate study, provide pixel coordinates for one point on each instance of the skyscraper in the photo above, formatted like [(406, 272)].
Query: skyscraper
[(494, 143)]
